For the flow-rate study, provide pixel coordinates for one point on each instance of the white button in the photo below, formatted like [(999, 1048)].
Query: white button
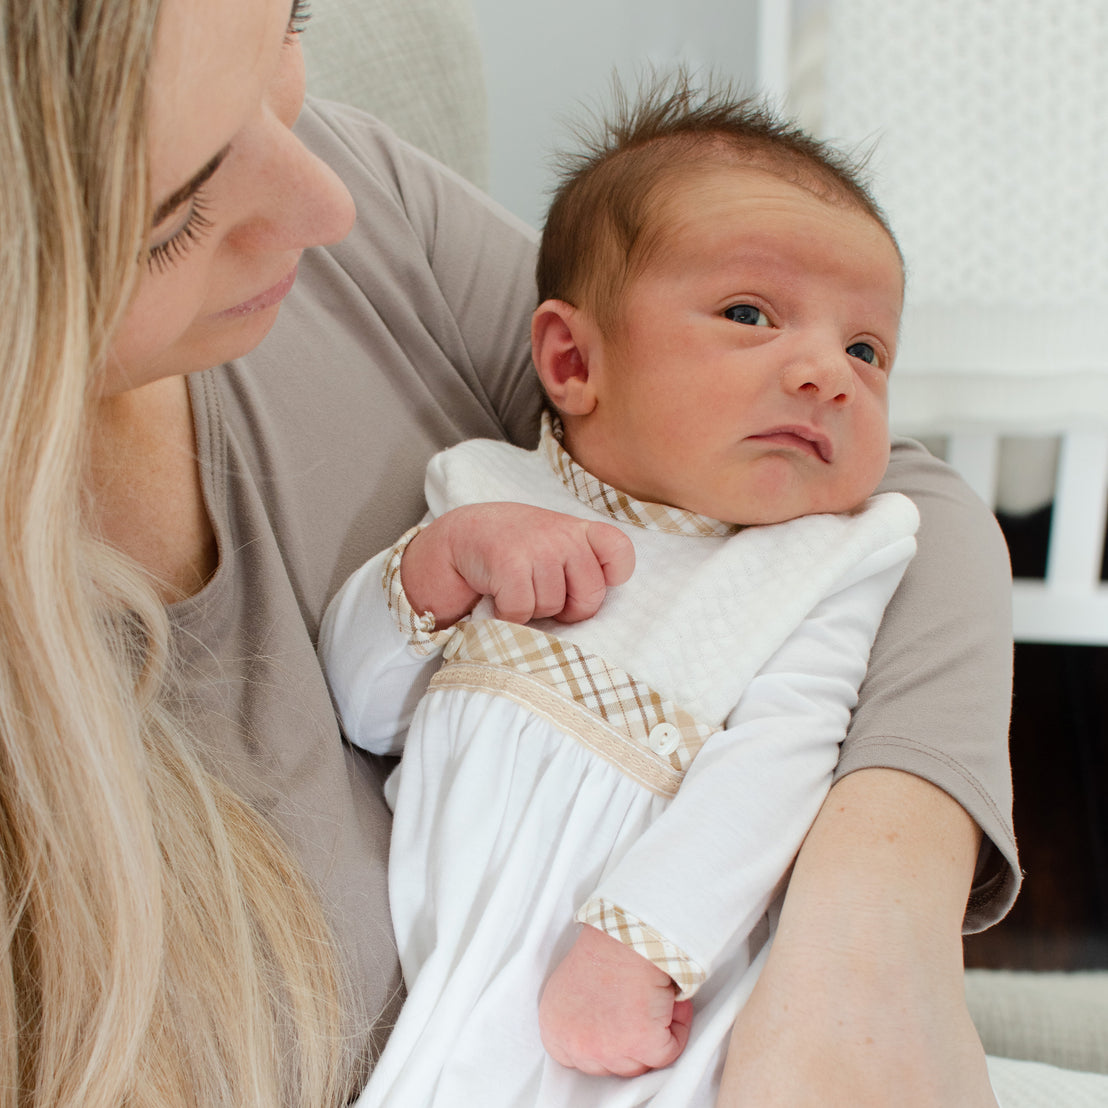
[(664, 738)]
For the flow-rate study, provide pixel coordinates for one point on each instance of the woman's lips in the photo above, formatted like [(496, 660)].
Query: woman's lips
[(263, 300)]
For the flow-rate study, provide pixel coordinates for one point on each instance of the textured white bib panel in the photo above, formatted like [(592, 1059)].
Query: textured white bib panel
[(751, 589)]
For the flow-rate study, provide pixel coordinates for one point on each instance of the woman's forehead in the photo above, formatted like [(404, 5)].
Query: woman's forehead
[(211, 61)]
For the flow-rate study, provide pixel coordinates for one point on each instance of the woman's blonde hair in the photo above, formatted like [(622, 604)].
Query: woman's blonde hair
[(160, 946)]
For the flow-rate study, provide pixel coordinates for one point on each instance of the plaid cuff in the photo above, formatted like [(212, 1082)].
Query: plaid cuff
[(644, 940), (418, 626)]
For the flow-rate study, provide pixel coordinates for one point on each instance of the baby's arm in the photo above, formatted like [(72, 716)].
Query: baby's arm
[(707, 870), (378, 649), (533, 563)]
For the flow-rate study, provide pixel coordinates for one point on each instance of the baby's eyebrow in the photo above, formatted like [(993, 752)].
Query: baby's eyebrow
[(172, 202)]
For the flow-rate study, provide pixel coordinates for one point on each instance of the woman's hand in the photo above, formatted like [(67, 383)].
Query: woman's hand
[(608, 1010), (861, 1003), (534, 563)]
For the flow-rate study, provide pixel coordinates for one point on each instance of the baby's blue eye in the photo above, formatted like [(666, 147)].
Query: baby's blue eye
[(863, 351), (748, 314)]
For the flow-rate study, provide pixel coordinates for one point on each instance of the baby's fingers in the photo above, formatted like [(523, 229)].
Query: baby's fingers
[(679, 1028), (525, 592), (614, 551), (606, 561)]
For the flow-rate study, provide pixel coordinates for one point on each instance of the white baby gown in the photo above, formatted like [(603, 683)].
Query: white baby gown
[(543, 784)]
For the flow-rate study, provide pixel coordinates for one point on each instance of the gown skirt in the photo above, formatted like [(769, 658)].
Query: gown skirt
[(506, 825)]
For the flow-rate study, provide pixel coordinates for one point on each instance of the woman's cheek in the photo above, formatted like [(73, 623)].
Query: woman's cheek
[(164, 309)]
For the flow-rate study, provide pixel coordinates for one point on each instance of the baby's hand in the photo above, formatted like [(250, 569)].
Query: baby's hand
[(534, 563), (608, 1010)]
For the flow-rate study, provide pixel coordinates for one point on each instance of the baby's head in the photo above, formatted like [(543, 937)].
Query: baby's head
[(720, 304)]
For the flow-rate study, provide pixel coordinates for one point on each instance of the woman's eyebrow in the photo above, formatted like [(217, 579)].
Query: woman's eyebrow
[(172, 202)]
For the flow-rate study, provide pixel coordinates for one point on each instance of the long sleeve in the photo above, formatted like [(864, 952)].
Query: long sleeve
[(378, 654), (710, 866)]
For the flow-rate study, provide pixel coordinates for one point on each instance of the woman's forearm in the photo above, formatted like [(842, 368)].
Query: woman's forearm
[(861, 1001)]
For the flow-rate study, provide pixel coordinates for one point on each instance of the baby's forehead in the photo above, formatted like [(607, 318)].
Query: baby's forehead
[(691, 207), (654, 195), (748, 231), (687, 191)]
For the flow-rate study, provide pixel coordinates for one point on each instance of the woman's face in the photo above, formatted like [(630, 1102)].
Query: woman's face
[(237, 196)]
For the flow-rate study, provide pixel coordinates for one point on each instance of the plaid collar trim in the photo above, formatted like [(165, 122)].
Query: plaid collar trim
[(618, 505)]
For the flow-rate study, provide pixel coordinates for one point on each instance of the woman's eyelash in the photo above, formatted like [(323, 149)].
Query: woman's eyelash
[(298, 20), (162, 255)]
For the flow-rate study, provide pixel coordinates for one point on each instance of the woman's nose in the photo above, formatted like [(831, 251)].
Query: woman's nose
[(314, 205), (298, 200)]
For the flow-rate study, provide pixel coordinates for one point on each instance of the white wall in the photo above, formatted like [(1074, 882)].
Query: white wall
[(543, 57)]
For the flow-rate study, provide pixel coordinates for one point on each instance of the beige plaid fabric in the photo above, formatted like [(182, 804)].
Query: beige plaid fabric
[(644, 940), (618, 505), (648, 738), (418, 626)]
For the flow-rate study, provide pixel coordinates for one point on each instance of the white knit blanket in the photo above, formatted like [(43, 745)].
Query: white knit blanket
[(1020, 1084)]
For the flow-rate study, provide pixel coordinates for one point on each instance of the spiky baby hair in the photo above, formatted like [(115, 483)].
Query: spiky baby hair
[(600, 229)]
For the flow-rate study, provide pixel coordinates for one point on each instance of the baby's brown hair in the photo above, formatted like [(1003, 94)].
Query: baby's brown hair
[(600, 229)]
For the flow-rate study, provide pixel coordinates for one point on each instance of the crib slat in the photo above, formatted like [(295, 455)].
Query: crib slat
[(1078, 519), (1071, 605), (974, 456)]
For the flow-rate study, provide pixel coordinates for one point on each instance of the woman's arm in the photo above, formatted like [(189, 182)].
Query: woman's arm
[(936, 700), (861, 1002)]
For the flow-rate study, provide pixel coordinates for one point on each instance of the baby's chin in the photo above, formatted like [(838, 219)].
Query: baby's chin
[(766, 511)]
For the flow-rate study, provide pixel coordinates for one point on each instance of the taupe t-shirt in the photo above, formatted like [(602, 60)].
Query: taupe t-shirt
[(412, 335)]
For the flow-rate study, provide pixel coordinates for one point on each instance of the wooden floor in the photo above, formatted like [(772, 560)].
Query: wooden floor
[(1059, 745)]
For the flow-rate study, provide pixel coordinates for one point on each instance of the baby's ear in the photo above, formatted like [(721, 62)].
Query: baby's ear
[(563, 340)]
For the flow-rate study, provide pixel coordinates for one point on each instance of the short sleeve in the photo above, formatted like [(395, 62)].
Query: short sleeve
[(937, 696)]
